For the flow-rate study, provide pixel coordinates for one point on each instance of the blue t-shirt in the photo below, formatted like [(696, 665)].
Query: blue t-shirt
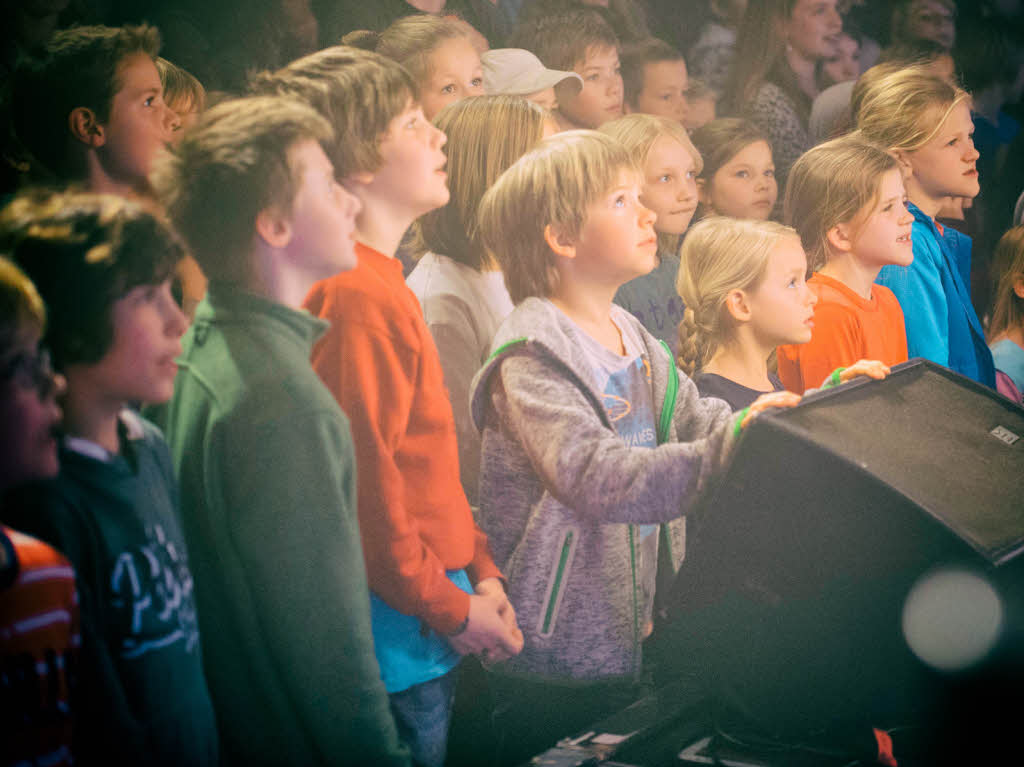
[(653, 300), (1010, 359), (409, 653)]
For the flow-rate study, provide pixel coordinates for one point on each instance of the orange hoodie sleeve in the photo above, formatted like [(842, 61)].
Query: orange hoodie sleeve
[(372, 367)]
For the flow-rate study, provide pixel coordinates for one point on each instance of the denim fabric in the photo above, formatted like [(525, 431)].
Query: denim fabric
[(423, 714)]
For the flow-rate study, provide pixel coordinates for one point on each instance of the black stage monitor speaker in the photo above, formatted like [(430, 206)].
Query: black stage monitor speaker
[(799, 564)]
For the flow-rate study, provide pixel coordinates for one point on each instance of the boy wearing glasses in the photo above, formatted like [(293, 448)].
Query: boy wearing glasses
[(38, 606), (103, 265)]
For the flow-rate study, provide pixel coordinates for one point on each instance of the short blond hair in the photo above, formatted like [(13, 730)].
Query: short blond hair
[(637, 133), (359, 92), (21, 307), (897, 109), (485, 136), (832, 184), (719, 255), (182, 90), (552, 185)]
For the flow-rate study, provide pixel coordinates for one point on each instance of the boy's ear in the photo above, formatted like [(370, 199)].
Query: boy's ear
[(559, 242), (840, 238), (737, 305), (86, 128), (273, 227)]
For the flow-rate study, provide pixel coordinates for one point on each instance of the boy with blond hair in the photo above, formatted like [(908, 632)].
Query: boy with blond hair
[(264, 454), (582, 42), (436, 592), (592, 438)]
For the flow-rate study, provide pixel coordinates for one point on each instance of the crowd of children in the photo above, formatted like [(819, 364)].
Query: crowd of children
[(414, 350)]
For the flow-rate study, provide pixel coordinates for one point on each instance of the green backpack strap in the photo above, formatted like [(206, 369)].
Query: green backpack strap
[(671, 391), (664, 424)]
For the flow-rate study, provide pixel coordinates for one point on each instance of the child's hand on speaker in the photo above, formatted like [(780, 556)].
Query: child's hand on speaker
[(765, 401), (870, 368)]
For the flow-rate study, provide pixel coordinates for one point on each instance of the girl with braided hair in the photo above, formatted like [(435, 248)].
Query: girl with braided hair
[(744, 283)]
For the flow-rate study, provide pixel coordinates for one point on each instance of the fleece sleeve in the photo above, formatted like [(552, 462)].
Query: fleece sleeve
[(374, 377), (584, 464), (919, 290), (453, 329), (299, 542)]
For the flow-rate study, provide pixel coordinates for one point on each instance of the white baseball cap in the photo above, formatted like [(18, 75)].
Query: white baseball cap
[(517, 72)]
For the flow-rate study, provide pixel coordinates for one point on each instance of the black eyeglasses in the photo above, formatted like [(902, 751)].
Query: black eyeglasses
[(32, 370)]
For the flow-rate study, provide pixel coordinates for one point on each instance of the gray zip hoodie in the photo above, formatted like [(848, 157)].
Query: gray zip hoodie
[(561, 493)]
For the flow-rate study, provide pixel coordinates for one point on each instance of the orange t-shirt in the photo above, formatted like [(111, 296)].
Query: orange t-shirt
[(847, 328), (39, 641), (380, 362)]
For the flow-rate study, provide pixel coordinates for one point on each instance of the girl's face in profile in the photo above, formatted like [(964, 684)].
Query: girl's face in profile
[(782, 305)]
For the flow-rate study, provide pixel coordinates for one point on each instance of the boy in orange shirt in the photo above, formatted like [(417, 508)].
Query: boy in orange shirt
[(846, 200), (436, 593)]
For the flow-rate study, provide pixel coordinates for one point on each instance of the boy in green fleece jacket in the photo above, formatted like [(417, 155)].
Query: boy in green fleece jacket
[(263, 452)]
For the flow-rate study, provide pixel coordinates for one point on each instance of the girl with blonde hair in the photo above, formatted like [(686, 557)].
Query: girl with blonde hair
[(670, 166), (925, 122), (439, 53), (845, 199), (743, 283), (460, 287)]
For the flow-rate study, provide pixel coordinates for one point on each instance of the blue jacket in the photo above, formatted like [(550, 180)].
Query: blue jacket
[(935, 294)]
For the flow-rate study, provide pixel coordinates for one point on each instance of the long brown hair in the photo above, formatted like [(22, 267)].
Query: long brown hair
[(486, 135), (1008, 270), (761, 57)]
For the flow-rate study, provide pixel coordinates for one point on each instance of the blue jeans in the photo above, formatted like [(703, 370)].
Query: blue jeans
[(423, 714)]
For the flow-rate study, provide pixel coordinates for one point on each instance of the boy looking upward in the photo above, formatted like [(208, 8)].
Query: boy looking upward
[(436, 593), (90, 108), (580, 41), (263, 452), (591, 437), (103, 266)]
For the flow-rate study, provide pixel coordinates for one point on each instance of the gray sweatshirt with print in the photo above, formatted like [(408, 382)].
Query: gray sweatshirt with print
[(561, 493)]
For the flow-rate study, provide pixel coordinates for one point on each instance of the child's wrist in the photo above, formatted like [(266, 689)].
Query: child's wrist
[(740, 418)]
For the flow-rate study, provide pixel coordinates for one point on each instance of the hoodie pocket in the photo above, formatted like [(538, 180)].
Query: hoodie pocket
[(556, 580)]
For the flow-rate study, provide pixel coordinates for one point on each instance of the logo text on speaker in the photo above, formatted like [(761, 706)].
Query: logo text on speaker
[(1004, 435)]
